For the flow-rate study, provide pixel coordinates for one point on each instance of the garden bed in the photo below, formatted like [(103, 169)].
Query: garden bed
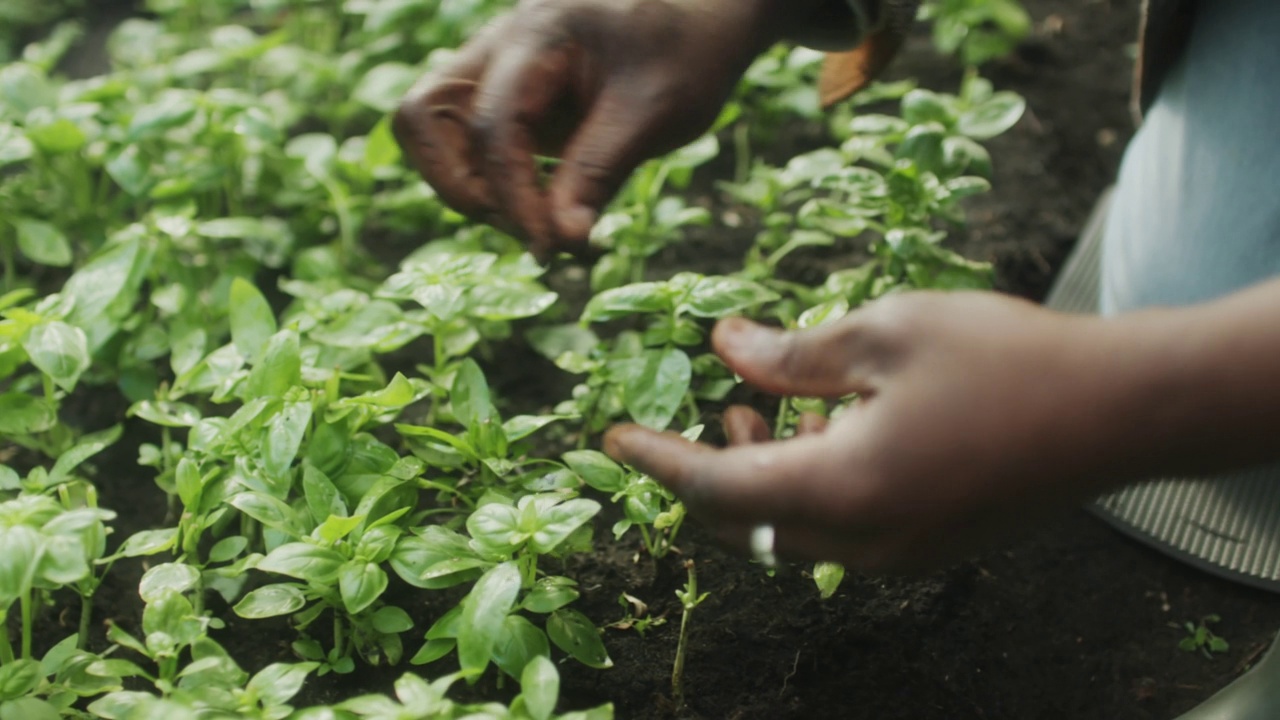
[(1073, 622)]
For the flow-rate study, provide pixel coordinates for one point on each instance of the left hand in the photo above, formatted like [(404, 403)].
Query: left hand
[(978, 415)]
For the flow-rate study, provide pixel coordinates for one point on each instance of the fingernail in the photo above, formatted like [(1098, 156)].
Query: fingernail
[(744, 338), (615, 441), (576, 222)]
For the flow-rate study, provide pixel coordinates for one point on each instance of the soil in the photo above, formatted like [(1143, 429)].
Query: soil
[(1074, 622)]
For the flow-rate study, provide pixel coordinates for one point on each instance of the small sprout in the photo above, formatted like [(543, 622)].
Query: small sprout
[(1200, 637)]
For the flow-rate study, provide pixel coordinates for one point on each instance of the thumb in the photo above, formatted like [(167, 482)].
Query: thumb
[(618, 134), (828, 361)]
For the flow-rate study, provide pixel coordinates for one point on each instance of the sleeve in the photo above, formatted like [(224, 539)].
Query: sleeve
[(860, 37)]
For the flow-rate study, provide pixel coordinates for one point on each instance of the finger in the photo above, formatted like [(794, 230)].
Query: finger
[(432, 125), (796, 479), (625, 127), (744, 426), (829, 361), (517, 94), (433, 130)]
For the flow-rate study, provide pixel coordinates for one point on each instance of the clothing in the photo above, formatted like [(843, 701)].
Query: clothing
[(874, 30), (1194, 215)]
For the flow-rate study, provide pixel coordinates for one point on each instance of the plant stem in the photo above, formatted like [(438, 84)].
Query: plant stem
[(27, 622), (6, 648), (688, 601), (86, 617), (742, 152), (338, 649), (648, 543)]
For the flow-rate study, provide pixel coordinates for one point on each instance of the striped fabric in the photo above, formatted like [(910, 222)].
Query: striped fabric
[(1228, 526)]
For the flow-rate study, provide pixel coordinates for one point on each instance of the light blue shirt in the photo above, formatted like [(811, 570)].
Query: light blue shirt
[(1196, 211)]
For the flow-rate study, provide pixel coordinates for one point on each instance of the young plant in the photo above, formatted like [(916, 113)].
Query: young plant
[(654, 380), (690, 599), (976, 30), (1200, 638), (417, 698), (507, 541), (645, 504), (642, 221)]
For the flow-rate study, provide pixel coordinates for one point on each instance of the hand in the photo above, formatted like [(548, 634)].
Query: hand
[(978, 414), (605, 84)]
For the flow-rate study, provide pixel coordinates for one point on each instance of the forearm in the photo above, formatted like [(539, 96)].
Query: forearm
[(1202, 385)]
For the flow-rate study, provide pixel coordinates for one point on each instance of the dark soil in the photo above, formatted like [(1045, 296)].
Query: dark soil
[(1075, 622)]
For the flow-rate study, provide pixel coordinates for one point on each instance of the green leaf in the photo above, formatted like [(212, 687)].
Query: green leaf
[(390, 620), (59, 351), (18, 678), (510, 300), (271, 601), (522, 426), (130, 172), (336, 527), (414, 556), (165, 578), (323, 498), (56, 136), (103, 288), (573, 633), (23, 88), (654, 385), (189, 483), (285, 433), (597, 470), (277, 683), (385, 85), (280, 368), (540, 686), (992, 117), (42, 242), (521, 641), (87, 447), (560, 521), (717, 297), (228, 549), (484, 612), (554, 341), (361, 583), (22, 551), (252, 321), (550, 594), (397, 394), (433, 650), (172, 110), (267, 510), (14, 145), (166, 414), (29, 708), (827, 576), (637, 298), (497, 527), (149, 542), (470, 395), (304, 562)]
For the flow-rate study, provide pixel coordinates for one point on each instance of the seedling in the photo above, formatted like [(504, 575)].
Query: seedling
[(1200, 638), (689, 601)]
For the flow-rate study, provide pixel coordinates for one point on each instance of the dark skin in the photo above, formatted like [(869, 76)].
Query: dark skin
[(979, 415), (604, 86)]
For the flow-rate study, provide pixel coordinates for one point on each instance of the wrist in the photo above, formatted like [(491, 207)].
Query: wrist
[(1185, 399)]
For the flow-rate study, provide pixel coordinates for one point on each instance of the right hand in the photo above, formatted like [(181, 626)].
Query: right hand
[(604, 84)]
